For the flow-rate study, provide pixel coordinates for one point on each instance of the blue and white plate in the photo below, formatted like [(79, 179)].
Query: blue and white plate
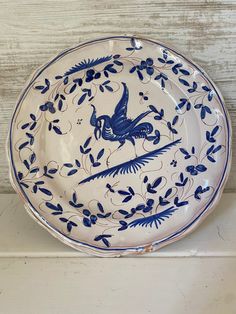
[(120, 145)]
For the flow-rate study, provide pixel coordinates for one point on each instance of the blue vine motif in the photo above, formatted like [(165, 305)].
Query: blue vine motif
[(149, 205)]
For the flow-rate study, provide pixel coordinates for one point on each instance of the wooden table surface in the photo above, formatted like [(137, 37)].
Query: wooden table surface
[(38, 274)]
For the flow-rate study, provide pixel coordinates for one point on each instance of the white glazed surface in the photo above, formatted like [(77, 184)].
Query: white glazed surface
[(151, 197)]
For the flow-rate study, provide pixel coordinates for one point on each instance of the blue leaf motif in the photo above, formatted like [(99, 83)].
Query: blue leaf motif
[(123, 212), (100, 207), (54, 207), (63, 219), (68, 165), (72, 88), (87, 142), (127, 199), (103, 238), (121, 192), (71, 172), (100, 154), (57, 130), (216, 149), (91, 158), (157, 182), (215, 130), (184, 82), (200, 190), (45, 191), (82, 98), (179, 203), (168, 192), (23, 145), (184, 72), (131, 190), (74, 197), (140, 75)]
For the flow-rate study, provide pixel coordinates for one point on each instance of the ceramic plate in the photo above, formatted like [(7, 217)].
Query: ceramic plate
[(119, 145)]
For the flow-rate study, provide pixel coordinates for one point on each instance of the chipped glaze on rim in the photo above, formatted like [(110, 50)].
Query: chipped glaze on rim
[(109, 251)]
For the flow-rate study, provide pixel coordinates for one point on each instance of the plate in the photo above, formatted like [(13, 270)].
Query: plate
[(119, 145)]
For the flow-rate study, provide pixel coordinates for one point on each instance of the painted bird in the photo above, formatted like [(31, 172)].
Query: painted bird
[(118, 127)]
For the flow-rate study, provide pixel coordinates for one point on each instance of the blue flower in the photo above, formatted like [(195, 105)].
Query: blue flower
[(194, 170), (89, 219), (48, 106), (146, 65), (91, 75)]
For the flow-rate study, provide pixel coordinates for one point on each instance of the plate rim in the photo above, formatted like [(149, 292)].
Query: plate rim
[(154, 245)]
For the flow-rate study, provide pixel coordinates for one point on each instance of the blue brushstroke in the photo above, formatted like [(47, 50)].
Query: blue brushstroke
[(155, 219), (131, 166), (85, 64)]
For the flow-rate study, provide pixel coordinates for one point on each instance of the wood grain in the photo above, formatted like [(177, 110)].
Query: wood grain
[(31, 32)]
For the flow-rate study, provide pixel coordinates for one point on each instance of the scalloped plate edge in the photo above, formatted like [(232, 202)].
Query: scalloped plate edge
[(116, 252)]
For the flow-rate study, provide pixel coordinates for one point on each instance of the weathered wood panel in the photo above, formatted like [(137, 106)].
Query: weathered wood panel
[(31, 32)]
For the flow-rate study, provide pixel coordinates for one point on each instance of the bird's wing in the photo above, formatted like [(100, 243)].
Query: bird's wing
[(119, 118)]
